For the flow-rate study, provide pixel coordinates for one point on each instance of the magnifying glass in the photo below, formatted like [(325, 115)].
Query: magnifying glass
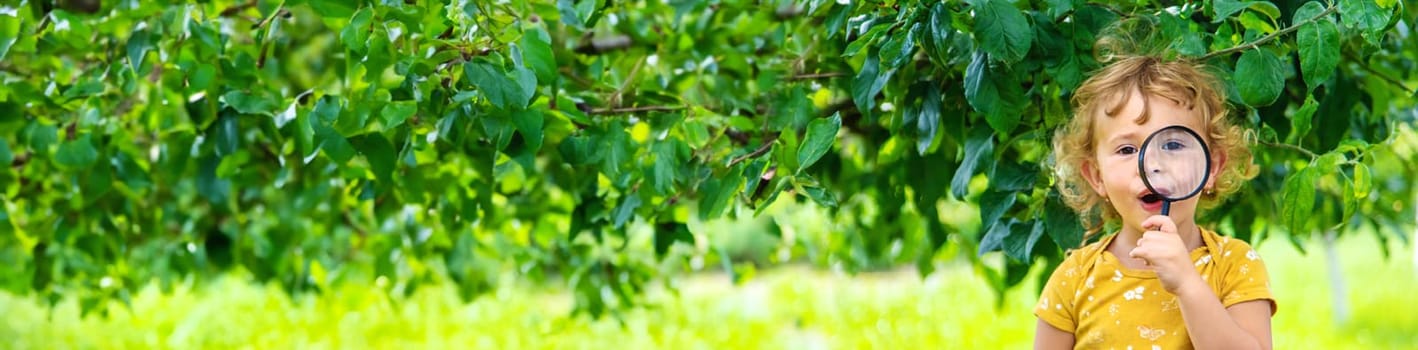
[(1175, 164)]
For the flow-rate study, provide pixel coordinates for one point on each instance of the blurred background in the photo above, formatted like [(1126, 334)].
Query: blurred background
[(775, 304)]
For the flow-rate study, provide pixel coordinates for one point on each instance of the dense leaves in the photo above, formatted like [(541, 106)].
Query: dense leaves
[(307, 142)]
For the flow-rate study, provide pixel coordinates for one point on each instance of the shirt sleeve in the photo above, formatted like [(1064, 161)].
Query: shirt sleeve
[(1055, 305), (1246, 278)]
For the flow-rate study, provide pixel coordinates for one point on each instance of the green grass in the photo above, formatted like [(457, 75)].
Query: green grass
[(792, 308)]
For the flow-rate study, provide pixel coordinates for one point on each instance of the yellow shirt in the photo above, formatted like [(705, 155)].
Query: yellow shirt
[(1108, 306)]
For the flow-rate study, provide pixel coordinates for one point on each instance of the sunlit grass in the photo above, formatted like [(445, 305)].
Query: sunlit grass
[(793, 307)]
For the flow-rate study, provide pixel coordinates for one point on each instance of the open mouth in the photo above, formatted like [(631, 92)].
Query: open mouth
[(1151, 198)]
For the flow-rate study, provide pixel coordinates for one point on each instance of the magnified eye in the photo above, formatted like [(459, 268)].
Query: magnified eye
[(1173, 145)]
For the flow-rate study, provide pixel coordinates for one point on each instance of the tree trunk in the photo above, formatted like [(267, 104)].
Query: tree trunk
[(1338, 293)]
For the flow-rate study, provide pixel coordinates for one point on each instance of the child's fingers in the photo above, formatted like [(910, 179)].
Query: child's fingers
[(1141, 253), (1161, 223)]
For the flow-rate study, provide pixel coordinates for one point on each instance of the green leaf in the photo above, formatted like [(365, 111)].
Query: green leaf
[(202, 77), (380, 153), (138, 47), (233, 164), (527, 84), (979, 146), (576, 13), (995, 95), (580, 150), (929, 120), (1363, 181), (1350, 201), (1298, 199), (1319, 45), (1365, 15), (327, 110), (1022, 237), (994, 239), (717, 194), (211, 187), (333, 8), (940, 25), (821, 134), (898, 49), (1062, 222), (669, 158), (1059, 8), (492, 84), (617, 148), (9, 33), (753, 178), (1260, 77), (336, 146), (355, 36), (1068, 73), (394, 114), (822, 196), (668, 233), (1301, 120), (226, 135), (529, 124), (1003, 30), (97, 181), (1223, 9), (869, 83), (993, 204), (249, 103), (1184, 40), (498, 130), (1011, 176), (77, 154), (625, 210), (537, 53), (1328, 163), (42, 136)]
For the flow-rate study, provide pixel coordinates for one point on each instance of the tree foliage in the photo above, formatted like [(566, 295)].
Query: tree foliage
[(308, 142)]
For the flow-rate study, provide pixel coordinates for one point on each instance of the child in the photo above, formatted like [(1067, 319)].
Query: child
[(1160, 282)]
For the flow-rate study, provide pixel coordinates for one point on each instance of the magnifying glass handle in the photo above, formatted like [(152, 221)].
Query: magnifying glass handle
[(1166, 207)]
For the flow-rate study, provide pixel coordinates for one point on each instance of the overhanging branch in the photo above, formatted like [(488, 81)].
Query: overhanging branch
[(605, 111), (1272, 36)]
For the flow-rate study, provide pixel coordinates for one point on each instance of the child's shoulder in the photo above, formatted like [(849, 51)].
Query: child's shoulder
[(1230, 247), (1087, 252)]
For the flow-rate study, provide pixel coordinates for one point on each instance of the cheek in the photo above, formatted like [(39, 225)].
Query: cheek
[(1119, 168)]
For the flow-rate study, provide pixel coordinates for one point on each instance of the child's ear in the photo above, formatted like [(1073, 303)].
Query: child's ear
[(1218, 162), (1095, 180)]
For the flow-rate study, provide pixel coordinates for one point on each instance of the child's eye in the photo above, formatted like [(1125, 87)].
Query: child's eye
[(1173, 145), (1126, 150)]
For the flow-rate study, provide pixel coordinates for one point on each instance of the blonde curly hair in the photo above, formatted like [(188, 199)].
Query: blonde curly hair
[(1105, 94)]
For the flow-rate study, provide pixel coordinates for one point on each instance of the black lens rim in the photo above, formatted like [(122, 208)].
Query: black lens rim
[(1142, 169)]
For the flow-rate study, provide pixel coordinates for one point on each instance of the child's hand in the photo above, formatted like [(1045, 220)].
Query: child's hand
[(1163, 250)]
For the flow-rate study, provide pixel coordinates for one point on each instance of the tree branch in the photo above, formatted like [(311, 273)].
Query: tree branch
[(1364, 64), (280, 12), (236, 9), (604, 111), (816, 76), (598, 45), (787, 11), (1272, 36), (634, 71), (1293, 148), (767, 145)]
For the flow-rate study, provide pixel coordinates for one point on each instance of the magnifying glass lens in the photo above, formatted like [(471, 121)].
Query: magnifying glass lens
[(1174, 163)]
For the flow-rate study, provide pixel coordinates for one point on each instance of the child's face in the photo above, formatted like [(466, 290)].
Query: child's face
[(1113, 172)]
